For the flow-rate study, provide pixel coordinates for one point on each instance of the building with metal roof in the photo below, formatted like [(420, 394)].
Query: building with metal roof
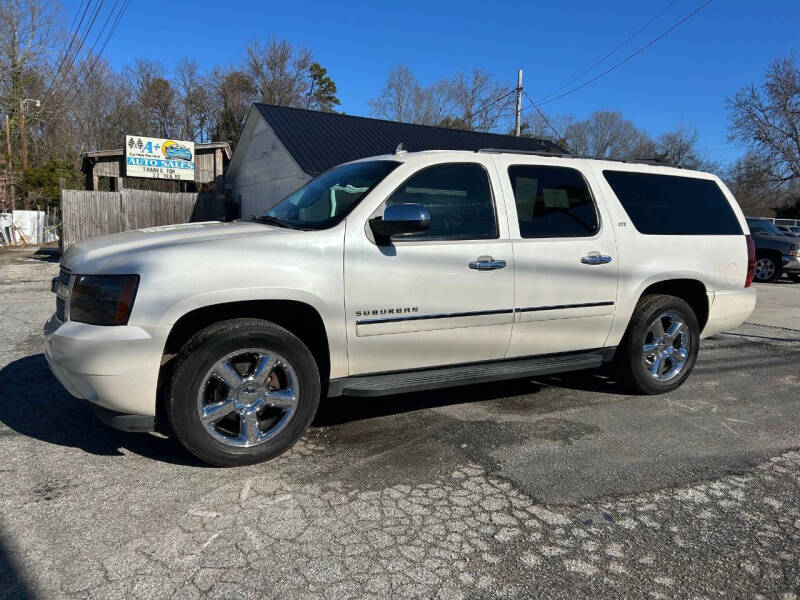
[(281, 148)]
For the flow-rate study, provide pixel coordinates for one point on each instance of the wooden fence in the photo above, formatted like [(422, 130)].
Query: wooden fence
[(87, 215)]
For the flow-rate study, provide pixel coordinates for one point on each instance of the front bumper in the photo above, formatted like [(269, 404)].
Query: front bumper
[(791, 264), (115, 368)]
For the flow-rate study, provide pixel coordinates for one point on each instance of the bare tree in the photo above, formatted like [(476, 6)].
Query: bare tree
[(547, 127), (478, 100), (28, 35), (754, 187), (466, 101), (234, 94), (194, 102), (278, 71), (606, 134), (766, 120), (155, 98), (105, 112), (679, 148), (404, 99)]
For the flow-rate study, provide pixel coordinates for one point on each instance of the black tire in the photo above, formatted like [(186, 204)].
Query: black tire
[(768, 269), (629, 365), (201, 353)]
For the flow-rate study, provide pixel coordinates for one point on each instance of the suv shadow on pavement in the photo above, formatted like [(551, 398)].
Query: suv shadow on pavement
[(12, 586), (504, 396), (34, 404), (28, 389)]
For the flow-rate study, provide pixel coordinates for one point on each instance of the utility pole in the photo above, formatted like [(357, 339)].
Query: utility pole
[(8, 141), (22, 129), (22, 132), (519, 102), (8, 191)]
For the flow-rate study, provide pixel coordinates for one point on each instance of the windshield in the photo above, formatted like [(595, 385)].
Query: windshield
[(759, 226), (325, 201)]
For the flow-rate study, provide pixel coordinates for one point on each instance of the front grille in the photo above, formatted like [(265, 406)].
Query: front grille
[(61, 303)]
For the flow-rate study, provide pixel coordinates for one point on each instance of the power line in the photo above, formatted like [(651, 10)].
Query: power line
[(73, 35), (546, 120), (88, 72), (629, 57), (490, 103), (91, 54), (78, 49), (607, 56)]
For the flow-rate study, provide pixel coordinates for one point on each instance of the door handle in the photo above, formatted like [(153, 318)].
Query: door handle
[(596, 259), (486, 263)]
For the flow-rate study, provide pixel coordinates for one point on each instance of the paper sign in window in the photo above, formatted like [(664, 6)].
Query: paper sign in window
[(525, 189), (525, 196), (555, 198)]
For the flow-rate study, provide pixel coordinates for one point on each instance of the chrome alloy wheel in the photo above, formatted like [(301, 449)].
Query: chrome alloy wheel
[(667, 345), (765, 269), (248, 397)]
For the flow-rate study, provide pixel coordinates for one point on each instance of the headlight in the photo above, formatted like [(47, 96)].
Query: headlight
[(103, 299), (793, 250)]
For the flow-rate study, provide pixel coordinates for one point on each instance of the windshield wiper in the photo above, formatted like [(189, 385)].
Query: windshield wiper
[(267, 220)]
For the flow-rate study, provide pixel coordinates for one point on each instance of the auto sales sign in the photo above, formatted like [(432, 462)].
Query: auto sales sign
[(159, 158)]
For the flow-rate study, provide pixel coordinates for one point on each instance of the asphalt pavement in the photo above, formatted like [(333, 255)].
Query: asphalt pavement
[(558, 487)]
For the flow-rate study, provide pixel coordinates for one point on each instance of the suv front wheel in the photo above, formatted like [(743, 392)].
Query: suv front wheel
[(243, 391), (660, 347)]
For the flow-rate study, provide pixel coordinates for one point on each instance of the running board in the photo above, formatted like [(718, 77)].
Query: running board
[(385, 384)]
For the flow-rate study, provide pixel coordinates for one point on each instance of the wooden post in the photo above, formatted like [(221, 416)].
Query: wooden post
[(22, 133), (219, 183), (95, 178)]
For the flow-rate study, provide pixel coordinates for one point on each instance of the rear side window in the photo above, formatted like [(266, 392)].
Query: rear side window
[(552, 202), (672, 205), (458, 198)]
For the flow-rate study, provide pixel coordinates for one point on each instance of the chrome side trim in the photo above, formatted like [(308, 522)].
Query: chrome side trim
[(564, 306), (474, 313), (478, 313)]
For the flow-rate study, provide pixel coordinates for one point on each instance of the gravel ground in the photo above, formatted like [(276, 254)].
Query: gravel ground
[(559, 487)]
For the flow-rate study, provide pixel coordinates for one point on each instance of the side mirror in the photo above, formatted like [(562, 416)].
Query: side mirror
[(399, 219)]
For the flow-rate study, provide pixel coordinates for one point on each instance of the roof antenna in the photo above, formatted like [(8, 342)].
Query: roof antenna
[(400, 149)]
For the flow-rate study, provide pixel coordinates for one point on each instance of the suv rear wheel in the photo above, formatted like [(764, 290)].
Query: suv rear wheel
[(660, 347), (243, 391)]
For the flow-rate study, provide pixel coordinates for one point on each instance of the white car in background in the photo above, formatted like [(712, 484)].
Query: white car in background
[(394, 274), (790, 230)]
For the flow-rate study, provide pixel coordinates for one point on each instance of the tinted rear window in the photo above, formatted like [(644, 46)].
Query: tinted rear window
[(672, 205), (552, 202)]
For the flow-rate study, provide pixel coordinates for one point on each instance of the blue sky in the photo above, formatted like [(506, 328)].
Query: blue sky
[(683, 79)]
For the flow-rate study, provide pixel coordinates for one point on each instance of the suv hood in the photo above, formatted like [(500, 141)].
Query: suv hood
[(781, 239), (159, 237)]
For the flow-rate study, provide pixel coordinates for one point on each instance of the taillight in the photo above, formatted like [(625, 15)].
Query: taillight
[(751, 261)]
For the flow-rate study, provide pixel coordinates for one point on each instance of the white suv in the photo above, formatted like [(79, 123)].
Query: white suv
[(394, 274)]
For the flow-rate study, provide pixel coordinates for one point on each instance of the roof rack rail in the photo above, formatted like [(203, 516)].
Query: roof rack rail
[(647, 161), (555, 152), (559, 154)]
